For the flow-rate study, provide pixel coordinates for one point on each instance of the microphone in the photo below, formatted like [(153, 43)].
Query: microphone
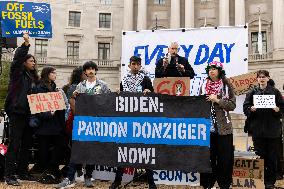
[(176, 59)]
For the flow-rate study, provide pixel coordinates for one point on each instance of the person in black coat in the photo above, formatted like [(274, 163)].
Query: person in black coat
[(265, 125), (23, 77), (135, 81), (173, 65), (50, 131)]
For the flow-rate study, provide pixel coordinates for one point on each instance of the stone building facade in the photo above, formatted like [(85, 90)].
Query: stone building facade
[(91, 30)]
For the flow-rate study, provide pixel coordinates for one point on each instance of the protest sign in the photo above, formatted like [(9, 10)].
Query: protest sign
[(264, 101), (243, 83), (20, 17), (144, 131), (176, 178), (248, 168), (44, 102), (248, 173), (242, 183), (178, 86)]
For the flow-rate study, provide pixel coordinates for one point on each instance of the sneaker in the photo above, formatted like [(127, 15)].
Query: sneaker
[(27, 177), (269, 186), (88, 183), (12, 180), (152, 186), (115, 185), (66, 183), (48, 179)]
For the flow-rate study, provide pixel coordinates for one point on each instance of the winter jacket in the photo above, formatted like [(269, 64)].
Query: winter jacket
[(50, 124), (227, 103), (264, 122), (99, 88), (20, 85)]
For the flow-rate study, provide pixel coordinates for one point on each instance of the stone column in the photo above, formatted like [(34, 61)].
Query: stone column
[(142, 15), (240, 15), (189, 13), (224, 12), (175, 14), (128, 15), (278, 28)]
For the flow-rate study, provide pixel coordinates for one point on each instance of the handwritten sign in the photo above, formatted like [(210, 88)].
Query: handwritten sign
[(44, 102), (248, 173), (264, 101), (177, 86), (242, 83), (241, 183), (20, 17)]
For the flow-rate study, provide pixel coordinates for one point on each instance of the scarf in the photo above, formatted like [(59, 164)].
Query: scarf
[(214, 87), (132, 82)]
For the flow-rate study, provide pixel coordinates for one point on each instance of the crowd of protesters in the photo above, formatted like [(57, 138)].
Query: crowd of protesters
[(53, 130)]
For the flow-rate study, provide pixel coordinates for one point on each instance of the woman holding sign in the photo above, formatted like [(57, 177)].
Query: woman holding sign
[(220, 93), (264, 114), (23, 76), (50, 131)]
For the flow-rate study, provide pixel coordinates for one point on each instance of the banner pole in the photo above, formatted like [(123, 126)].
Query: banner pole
[(1, 43)]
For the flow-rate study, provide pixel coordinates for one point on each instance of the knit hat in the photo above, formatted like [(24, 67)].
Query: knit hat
[(217, 65)]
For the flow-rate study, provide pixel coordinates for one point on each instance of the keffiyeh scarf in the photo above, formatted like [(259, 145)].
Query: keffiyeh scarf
[(132, 82), (214, 87)]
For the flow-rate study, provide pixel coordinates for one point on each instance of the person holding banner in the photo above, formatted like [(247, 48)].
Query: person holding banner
[(220, 93), (265, 124), (23, 76), (173, 65), (91, 86), (50, 131), (135, 81)]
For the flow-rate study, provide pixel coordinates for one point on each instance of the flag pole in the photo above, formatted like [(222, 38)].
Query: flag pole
[(259, 39)]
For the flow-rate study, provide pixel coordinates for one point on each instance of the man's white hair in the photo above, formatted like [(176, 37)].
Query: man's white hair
[(174, 44)]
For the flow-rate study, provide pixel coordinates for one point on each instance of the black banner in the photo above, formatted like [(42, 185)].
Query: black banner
[(144, 131), (180, 158), (112, 104)]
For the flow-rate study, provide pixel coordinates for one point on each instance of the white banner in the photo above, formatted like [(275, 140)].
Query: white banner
[(176, 178), (199, 46)]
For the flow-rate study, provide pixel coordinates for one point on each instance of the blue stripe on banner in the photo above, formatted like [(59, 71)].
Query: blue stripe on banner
[(146, 130)]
